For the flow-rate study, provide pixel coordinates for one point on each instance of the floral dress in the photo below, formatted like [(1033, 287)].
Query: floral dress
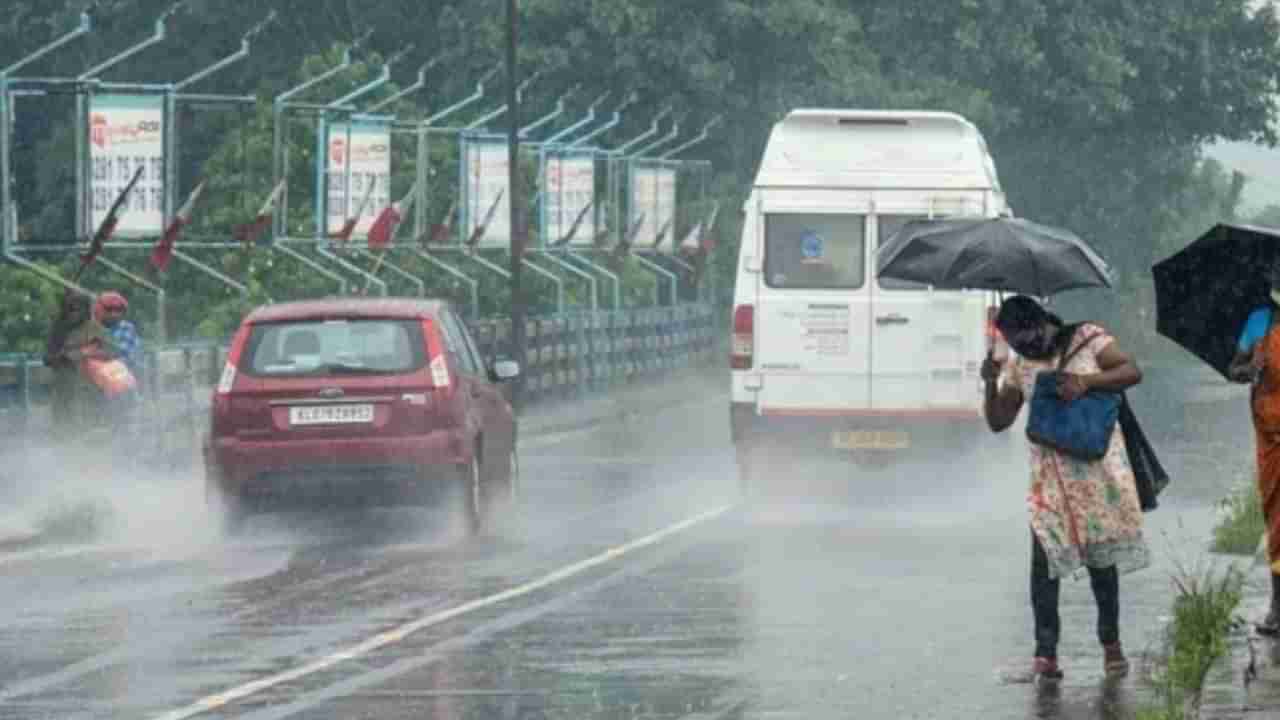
[(1083, 512)]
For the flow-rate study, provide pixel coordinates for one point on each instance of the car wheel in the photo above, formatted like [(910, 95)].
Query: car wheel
[(469, 495)]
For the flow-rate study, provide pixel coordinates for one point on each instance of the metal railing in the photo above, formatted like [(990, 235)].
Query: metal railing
[(568, 356)]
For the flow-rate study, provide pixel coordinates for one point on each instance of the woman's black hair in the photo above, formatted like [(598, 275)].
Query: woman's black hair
[(1022, 313)]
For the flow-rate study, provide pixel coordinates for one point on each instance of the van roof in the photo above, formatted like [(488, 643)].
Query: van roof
[(877, 149), (346, 307)]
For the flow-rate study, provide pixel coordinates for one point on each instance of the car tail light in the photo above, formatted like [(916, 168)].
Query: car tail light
[(744, 322), (222, 393), (437, 362)]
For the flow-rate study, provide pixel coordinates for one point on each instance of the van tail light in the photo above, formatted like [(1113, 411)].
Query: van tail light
[(436, 356), (996, 344), (744, 328), (226, 381)]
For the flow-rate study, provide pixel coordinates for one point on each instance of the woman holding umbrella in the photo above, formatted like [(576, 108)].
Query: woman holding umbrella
[(1083, 513), (1257, 361)]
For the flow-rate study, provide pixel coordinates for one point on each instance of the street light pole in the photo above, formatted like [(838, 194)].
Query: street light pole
[(517, 309)]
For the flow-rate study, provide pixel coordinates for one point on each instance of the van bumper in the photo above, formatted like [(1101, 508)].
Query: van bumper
[(816, 431)]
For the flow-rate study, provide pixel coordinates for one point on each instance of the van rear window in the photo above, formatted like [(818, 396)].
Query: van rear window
[(335, 347), (888, 225), (815, 251)]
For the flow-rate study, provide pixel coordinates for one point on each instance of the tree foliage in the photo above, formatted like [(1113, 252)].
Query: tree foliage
[(1097, 113)]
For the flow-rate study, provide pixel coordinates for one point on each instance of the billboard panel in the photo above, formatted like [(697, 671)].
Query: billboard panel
[(569, 199), (486, 191), (126, 132), (359, 167), (665, 214), (642, 205)]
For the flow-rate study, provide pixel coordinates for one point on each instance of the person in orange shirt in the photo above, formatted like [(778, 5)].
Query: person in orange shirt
[(1257, 362)]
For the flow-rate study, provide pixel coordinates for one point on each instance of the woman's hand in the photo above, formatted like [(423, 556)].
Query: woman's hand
[(991, 369), (1072, 387)]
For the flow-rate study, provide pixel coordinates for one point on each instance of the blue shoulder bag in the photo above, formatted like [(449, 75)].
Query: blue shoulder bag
[(1082, 428)]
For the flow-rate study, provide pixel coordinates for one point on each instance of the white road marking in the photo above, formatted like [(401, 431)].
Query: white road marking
[(390, 637)]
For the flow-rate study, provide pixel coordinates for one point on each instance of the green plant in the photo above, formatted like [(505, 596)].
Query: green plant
[(1203, 616), (1241, 525)]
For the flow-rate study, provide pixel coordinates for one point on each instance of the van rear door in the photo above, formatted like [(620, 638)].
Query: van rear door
[(813, 311), (926, 344)]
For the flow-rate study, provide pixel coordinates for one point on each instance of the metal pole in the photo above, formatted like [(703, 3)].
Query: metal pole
[(417, 85), (465, 102), (706, 129), (519, 96), (349, 267), (570, 268), (617, 281), (484, 262), (471, 282), (142, 282), (86, 25), (658, 269), (517, 309), (12, 256), (613, 122), (8, 213), (397, 270), (278, 148), (211, 272), (157, 35), (556, 279), (671, 135), (296, 255)]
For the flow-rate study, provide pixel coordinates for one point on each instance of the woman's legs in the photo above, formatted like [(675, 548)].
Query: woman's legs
[(1044, 602), (1268, 453), (1106, 592)]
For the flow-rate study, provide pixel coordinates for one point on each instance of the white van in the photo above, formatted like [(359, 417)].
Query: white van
[(826, 358)]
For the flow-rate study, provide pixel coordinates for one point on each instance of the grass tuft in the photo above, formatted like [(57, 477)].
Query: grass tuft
[(1241, 526)]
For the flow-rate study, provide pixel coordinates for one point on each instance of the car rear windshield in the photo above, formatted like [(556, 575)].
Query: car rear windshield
[(812, 251), (334, 347)]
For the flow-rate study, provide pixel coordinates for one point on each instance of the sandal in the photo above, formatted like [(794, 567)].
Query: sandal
[(1114, 663), (1046, 668)]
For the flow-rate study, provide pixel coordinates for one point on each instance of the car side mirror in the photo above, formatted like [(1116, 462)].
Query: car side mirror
[(504, 370)]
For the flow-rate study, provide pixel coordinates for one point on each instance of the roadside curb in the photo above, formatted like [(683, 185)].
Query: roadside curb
[(1249, 676)]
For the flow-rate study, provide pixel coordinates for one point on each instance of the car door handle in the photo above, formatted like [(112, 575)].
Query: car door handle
[(894, 319)]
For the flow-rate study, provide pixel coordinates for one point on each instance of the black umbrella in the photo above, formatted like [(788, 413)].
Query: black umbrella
[(1006, 254), (1205, 292)]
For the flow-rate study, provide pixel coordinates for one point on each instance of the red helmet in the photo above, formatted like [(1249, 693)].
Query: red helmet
[(110, 300)]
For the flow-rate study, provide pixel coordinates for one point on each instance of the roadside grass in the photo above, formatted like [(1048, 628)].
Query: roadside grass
[(1204, 610), (1241, 524)]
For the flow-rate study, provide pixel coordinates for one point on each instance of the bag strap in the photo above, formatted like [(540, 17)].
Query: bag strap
[(1066, 358)]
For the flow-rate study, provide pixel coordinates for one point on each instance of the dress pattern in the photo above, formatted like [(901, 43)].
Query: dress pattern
[(1084, 512)]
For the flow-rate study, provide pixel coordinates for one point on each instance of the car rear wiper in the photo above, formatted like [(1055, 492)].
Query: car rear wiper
[(348, 369)]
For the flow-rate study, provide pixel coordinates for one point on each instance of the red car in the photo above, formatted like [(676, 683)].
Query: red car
[(369, 401)]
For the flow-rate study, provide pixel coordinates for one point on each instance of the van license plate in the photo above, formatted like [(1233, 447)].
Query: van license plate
[(330, 414), (871, 440)]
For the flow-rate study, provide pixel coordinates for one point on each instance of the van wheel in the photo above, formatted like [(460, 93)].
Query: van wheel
[(468, 495)]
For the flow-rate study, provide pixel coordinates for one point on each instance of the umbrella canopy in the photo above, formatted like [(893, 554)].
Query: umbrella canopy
[(1006, 254), (1205, 292)]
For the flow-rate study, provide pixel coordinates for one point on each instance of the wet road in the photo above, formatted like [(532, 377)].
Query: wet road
[(632, 586)]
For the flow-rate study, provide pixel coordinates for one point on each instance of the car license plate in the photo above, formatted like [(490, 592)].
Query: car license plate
[(330, 414), (871, 440)]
